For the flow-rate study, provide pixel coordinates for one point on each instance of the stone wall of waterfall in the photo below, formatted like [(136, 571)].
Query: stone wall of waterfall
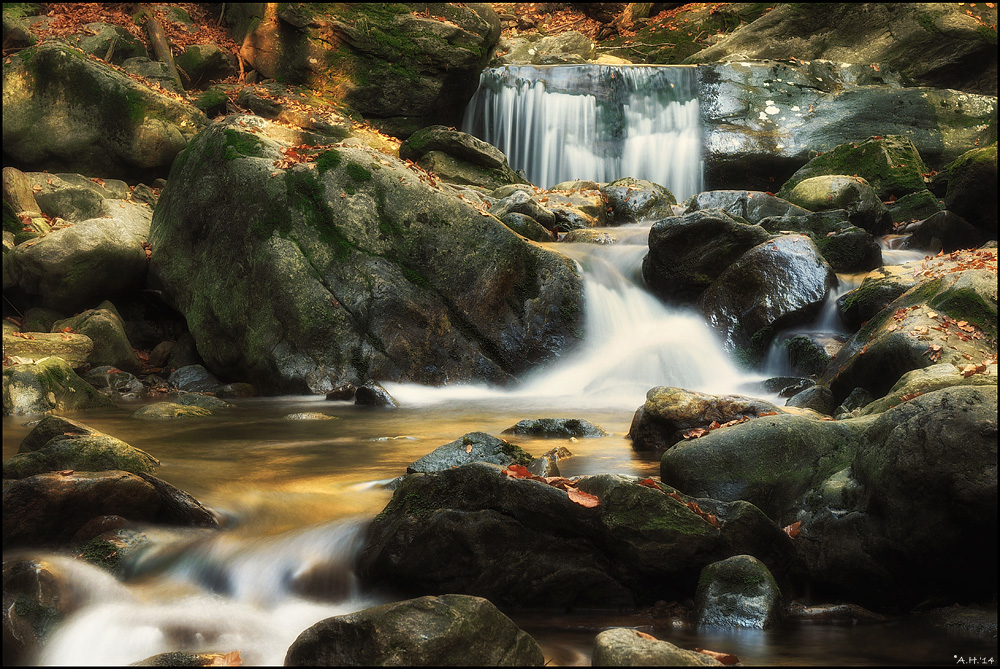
[(597, 122)]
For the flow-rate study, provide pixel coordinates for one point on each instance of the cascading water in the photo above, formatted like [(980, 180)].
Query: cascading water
[(596, 122)]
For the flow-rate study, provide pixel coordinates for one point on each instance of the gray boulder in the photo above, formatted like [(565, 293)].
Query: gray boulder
[(852, 194), (106, 329), (46, 386), (775, 284), (750, 206), (687, 253), (972, 188), (66, 112), (556, 428), (738, 592), (30, 346), (943, 231), (634, 200), (194, 379), (369, 272), (449, 630)]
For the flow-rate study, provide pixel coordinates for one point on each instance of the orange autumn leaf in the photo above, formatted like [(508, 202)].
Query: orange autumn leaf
[(232, 659), (646, 636), (724, 658), (517, 471), (694, 433), (583, 498), (468, 448), (649, 483), (793, 530)]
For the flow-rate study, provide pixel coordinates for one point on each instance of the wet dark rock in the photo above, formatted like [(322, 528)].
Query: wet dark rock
[(817, 398), (194, 378), (914, 207), (738, 592), (238, 389), (556, 428), (687, 253), (773, 285), (115, 381), (624, 647), (875, 293), (372, 394), (834, 613), (342, 393), (966, 621), (186, 659), (448, 630), (972, 188), (634, 200), (851, 250), (943, 231), (522, 544), (856, 399), (787, 386), (472, 447), (526, 226), (669, 412)]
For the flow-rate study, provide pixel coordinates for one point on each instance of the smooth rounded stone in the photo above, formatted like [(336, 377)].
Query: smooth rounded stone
[(523, 202), (49, 428), (86, 452), (114, 380), (461, 145), (75, 197), (309, 415), (186, 659), (588, 236), (839, 191), (526, 226), (687, 253), (752, 206), (199, 400), (34, 346), (169, 411), (635, 200), (868, 538), (920, 381), (775, 284), (342, 393), (668, 412), (449, 630), (238, 389), (768, 461), (850, 250), (576, 184), (914, 207), (834, 614), (556, 428), (738, 592), (194, 378), (46, 386), (623, 647), (372, 394), (817, 398), (105, 327), (943, 231), (472, 447), (453, 170)]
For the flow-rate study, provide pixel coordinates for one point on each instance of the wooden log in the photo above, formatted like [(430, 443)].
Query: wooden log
[(158, 39)]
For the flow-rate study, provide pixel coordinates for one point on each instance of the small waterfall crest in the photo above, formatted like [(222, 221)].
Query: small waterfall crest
[(595, 122)]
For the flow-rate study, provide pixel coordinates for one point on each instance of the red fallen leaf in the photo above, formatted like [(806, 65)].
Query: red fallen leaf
[(909, 396), (694, 507), (231, 659), (67, 329), (793, 530), (65, 472), (724, 658), (517, 471), (649, 483), (694, 433), (99, 181), (583, 498), (675, 496), (468, 448), (646, 636), (767, 413), (712, 520), (714, 425)]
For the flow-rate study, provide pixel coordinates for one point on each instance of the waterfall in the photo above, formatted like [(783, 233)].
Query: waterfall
[(595, 122)]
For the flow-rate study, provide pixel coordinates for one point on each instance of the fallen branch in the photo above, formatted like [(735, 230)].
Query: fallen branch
[(158, 40)]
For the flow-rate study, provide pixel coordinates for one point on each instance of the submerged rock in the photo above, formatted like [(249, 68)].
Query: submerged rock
[(556, 428), (622, 647), (738, 592), (169, 411), (472, 447), (449, 630)]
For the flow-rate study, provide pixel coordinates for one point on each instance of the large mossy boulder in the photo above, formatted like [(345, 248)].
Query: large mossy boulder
[(972, 188), (669, 413), (458, 157), (46, 386), (891, 166), (768, 461), (633, 200), (894, 528), (775, 284), (34, 346), (75, 447), (624, 647), (765, 119), (687, 253), (928, 379), (64, 111), (930, 44), (449, 630), (949, 316), (347, 268), (852, 194), (522, 543), (400, 67)]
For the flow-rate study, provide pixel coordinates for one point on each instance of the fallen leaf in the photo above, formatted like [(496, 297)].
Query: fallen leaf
[(793, 530), (232, 659), (649, 483), (65, 472), (724, 658), (468, 448), (646, 636), (583, 498), (517, 471)]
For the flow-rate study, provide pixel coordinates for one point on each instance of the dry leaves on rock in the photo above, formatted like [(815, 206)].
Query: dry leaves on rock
[(569, 485)]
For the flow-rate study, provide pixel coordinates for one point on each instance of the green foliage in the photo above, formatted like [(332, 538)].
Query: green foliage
[(243, 144), (18, 10), (102, 553)]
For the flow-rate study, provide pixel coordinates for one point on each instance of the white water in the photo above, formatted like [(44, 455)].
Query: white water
[(552, 123)]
